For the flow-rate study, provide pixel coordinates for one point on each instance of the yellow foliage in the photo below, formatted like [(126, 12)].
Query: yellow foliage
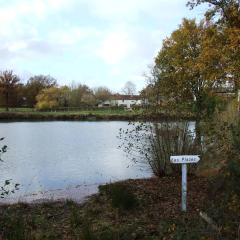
[(49, 98)]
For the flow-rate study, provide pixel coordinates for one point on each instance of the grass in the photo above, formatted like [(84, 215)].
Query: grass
[(99, 111), (30, 114), (25, 114)]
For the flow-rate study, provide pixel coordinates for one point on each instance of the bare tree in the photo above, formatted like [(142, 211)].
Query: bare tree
[(129, 88), (8, 83)]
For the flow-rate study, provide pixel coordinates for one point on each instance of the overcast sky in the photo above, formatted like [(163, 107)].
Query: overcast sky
[(95, 42)]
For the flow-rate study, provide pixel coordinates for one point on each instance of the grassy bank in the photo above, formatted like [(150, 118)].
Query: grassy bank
[(26, 114), (133, 209)]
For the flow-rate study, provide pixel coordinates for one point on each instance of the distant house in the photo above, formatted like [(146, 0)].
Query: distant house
[(119, 100)]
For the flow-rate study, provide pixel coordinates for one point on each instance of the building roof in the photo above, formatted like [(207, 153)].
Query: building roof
[(125, 97)]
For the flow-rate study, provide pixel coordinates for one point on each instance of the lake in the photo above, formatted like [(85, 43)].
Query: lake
[(59, 160)]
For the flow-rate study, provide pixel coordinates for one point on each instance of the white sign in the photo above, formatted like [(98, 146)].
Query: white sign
[(185, 159)]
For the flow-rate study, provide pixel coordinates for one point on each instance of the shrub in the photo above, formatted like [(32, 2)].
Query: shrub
[(120, 195), (234, 161), (15, 228), (152, 144), (221, 139), (87, 233)]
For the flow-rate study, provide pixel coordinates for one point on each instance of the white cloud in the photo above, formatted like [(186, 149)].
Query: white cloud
[(72, 35), (118, 38), (21, 28), (129, 46), (18, 45), (115, 47), (18, 14)]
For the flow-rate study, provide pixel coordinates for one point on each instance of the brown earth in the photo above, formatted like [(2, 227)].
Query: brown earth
[(157, 215)]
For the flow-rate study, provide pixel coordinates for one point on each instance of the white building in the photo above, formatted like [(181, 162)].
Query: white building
[(127, 101)]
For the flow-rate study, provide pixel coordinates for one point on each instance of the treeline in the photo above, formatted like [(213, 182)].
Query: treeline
[(199, 59), (44, 93)]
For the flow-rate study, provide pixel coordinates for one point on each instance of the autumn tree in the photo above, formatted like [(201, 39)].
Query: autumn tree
[(129, 88), (8, 84), (34, 86), (51, 98), (102, 94), (226, 12), (226, 16), (64, 96), (19, 99), (189, 66), (81, 95)]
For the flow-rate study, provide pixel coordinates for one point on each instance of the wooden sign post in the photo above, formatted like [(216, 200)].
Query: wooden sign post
[(184, 160)]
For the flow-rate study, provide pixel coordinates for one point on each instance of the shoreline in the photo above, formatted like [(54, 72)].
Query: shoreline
[(79, 194), (48, 116)]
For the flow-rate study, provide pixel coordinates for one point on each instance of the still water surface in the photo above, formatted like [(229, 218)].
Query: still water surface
[(63, 159)]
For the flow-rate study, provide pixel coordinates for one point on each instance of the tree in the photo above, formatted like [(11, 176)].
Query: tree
[(8, 83), (129, 88), (227, 11), (226, 15), (34, 86), (151, 93), (64, 96), (102, 94), (81, 95), (189, 65), (88, 99), (50, 98), (19, 99)]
